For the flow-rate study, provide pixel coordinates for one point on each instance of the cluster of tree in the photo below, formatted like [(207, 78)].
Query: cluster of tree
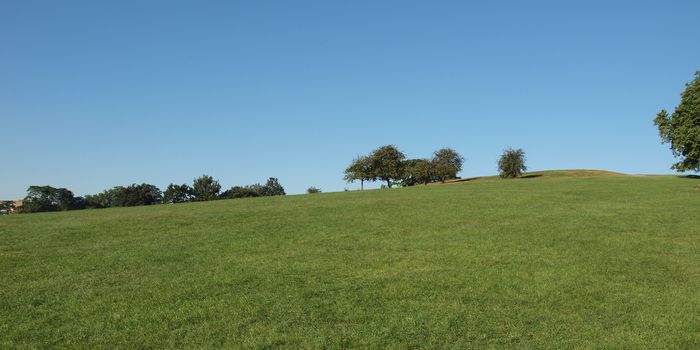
[(204, 188), (681, 129), (388, 164), (129, 196), (271, 188), (47, 198)]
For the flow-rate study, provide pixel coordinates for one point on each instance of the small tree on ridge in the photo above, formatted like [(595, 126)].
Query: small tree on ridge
[(512, 163), (387, 164)]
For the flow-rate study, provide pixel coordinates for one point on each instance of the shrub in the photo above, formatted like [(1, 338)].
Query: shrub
[(313, 189)]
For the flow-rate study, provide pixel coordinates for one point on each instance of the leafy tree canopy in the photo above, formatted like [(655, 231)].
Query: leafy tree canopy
[(47, 198), (512, 163), (681, 129), (387, 164), (134, 195), (273, 188), (417, 171), (205, 188), (360, 170), (446, 163), (177, 194)]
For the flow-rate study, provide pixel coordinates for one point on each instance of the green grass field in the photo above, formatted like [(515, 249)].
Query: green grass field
[(562, 260)]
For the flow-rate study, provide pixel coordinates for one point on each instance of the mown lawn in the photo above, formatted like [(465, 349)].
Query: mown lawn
[(543, 262)]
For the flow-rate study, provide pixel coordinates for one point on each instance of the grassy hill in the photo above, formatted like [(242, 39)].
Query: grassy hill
[(555, 260)]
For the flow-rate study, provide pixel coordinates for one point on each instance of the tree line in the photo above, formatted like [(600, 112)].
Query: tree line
[(386, 164), (204, 188), (389, 165)]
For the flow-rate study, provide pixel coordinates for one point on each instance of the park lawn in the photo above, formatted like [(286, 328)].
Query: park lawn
[(551, 261)]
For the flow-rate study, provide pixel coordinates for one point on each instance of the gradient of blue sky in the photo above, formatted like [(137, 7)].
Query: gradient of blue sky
[(95, 94)]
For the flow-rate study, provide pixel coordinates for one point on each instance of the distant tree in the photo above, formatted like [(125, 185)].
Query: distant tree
[(205, 188), (79, 203), (116, 196), (47, 198), (242, 192), (148, 194), (100, 200), (312, 190), (177, 194), (134, 195), (387, 164), (360, 170), (417, 171), (512, 163), (446, 163), (273, 188), (682, 128)]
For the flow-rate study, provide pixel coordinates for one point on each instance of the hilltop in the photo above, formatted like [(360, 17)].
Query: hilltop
[(571, 173), (558, 259)]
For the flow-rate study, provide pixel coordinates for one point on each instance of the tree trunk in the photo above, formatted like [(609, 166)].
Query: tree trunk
[(388, 183), (362, 185)]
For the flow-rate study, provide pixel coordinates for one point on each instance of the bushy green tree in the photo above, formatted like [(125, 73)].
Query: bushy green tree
[(135, 195), (47, 198), (417, 171), (512, 163), (100, 200), (387, 164), (682, 128), (360, 170), (273, 188), (79, 203), (312, 190), (177, 194), (205, 188), (446, 163), (241, 192)]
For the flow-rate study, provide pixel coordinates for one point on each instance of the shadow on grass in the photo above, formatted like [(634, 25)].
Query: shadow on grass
[(464, 180), (694, 177), (492, 177), (530, 176)]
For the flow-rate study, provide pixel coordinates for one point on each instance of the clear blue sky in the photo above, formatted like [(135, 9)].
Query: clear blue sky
[(95, 94)]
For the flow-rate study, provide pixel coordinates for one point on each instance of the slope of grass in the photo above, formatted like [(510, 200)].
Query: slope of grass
[(574, 173), (547, 262), (546, 174)]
